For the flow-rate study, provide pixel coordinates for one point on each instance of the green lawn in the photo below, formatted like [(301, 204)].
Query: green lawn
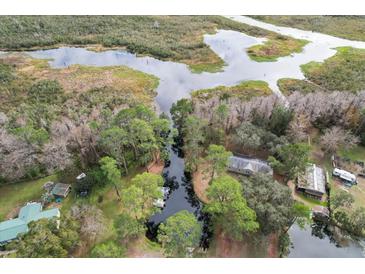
[(14, 195)]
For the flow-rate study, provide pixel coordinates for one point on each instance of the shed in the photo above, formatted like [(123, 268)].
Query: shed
[(10, 229), (61, 190), (312, 181), (248, 166)]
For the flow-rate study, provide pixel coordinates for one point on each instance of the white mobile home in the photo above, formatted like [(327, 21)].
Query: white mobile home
[(344, 175)]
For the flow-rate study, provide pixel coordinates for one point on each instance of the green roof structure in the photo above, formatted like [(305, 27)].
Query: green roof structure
[(10, 229)]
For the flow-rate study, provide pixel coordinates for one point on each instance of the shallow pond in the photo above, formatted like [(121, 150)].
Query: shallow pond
[(177, 81)]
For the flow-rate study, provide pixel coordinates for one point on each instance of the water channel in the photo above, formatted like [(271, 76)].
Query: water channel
[(177, 81)]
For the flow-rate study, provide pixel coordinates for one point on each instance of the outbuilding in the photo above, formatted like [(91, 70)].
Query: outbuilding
[(61, 190), (312, 182)]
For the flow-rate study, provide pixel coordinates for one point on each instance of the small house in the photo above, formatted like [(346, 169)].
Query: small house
[(11, 229), (248, 166), (61, 190), (312, 182)]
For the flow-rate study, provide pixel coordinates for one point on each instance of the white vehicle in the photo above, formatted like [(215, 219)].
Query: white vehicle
[(81, 176), (165, 191), (344, 175), (159, 203)]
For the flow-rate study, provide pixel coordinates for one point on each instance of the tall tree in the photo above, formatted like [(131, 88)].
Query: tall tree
[(193, 141), (291, 159), (180, 111), (109, 249), (114, 141), (180, 234), (280, 119), (149, 186), (217, 158), (229, 208), (111, 172), (271, 201), (41, 241)]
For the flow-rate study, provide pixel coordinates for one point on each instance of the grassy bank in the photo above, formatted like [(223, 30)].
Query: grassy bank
[(276, 46), (345, 71), (289, 85), (349, 27), (244, 91)]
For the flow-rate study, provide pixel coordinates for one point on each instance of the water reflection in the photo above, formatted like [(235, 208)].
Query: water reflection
[(320, 241)]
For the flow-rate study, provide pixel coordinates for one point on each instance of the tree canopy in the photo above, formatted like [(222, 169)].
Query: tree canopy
[(229, 208), (180, 233)]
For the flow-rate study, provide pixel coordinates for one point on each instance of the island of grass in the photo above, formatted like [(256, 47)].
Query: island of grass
[(288, 86), (345, 71), (348, 27), (245, 91), (274, 47), (175, 38)]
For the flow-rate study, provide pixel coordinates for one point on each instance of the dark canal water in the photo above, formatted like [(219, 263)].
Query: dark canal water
[(177, 81)]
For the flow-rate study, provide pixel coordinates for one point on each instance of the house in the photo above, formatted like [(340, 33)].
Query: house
[(248, 166), (312, 182), (10, 229), (61, 190), (346, 176)]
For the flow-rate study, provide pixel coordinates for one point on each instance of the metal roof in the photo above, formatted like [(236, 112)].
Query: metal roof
[(313, 179), (244, 163), (10, 229), (61, 189)]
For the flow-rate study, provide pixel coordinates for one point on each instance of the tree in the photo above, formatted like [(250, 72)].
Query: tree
[(180, 111), (133, 201), (180, 233), (229, 208), (148, 186), (91, 219), (280, 119), (335, 138), (31, 135), (193, 141), (143, 141), (128, 227), (41, 241), (69, 232), (114, 141), (109, 249), (290, 159), (111, 172), (300, 214), (342, 199), (357, 220), (217, 158), (249, 136), (163, 135), (271, 201)]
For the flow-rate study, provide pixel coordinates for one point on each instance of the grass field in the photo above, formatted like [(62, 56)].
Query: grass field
[(17, 194), (276, 46), (289, 85), (245, 91), (349, 27), (345, 71)]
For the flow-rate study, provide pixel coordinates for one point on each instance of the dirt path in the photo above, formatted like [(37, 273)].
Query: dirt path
[(156, 167), (201, 183)]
